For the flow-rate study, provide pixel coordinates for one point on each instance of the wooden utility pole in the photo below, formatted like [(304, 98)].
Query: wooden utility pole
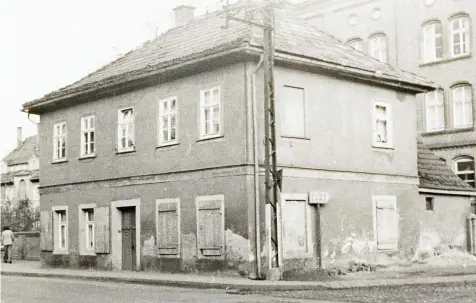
[(272, 176)]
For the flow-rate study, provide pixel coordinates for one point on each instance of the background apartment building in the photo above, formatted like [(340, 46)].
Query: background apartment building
[(433, 38)]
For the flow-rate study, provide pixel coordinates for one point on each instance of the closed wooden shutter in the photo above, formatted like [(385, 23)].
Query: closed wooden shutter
[(387, 224), (46, 232), (210, 228), (167, 228), (101, 232)]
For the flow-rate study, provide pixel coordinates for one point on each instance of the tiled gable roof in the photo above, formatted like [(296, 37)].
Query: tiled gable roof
[(206, 35), (23, 153), (434, 174)]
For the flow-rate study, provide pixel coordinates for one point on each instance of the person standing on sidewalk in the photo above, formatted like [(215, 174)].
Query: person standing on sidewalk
[(7, 242)]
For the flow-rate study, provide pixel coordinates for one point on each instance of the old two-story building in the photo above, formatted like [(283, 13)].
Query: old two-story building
[(20, 172), (155, 161)]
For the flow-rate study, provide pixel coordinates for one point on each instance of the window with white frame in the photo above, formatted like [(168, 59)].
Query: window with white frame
[(435, 113), (464, 168), (59, 141), (293, 112), (462, 98), (125, 129), (432, 42), (382, 132), (357, 44), (167, 121), (60, 228), (460, 36), (89, 228), (88, 136), (378, 47), (210, 113)]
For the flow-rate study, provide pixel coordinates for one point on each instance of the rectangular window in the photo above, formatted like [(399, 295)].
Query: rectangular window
[(89, 224), (462, 106), (168, 227), (432, 42), (378, 47), (385, 222), (460, 37), (293, 112), (210, 113), (464, 168), (167, 121), (125, 130), (87, 136), (429, 203), (60, 229), (59, 141), (210, 225), (382, 130), (435, 111)]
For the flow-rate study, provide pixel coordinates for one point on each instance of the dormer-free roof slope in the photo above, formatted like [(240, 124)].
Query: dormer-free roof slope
[(205, 36), (22, 153)]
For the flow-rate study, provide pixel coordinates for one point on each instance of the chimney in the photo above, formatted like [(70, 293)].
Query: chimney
[(19, 136), (183, 14)]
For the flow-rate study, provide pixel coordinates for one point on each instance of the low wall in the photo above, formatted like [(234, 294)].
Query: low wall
[(26, 245)]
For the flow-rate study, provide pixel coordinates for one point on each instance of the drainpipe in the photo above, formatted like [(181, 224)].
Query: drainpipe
[(256, 166)]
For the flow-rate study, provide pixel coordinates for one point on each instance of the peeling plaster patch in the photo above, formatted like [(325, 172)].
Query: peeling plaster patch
[(149, 248), (237, 247)]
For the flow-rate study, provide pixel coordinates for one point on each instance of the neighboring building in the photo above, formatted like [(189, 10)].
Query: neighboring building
[(20, 172), (449, 202), (148, 163), (433, 38)]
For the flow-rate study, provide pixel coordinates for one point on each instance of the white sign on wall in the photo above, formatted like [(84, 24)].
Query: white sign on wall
[(318, 197)]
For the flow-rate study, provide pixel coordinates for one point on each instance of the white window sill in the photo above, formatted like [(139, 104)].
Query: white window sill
[(210, 137), (445, 60), (61, 252), (59, 161), (125, 151), (166, 144), (383, 146), (87, 157), (87, 253), (295, 137)]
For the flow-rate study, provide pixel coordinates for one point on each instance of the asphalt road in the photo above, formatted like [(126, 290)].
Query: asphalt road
[(27, 289)]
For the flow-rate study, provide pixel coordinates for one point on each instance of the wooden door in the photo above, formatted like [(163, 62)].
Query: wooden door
[(128, 238)]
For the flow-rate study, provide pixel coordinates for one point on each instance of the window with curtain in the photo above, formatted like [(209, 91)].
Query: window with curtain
[(462, 98)]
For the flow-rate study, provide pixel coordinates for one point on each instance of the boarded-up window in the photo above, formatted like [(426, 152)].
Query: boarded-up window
[(210, 225), (168, 227), (101, 230), (386, 222), (293, 112), (46, 235)]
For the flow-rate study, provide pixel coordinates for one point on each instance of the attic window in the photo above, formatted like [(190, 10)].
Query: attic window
[(429, 203), (464, 168)]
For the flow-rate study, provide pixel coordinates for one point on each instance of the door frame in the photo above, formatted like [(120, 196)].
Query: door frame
[(116, 235)]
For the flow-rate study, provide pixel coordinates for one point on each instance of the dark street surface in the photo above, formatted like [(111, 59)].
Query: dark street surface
[(27, 289), (413, 293)]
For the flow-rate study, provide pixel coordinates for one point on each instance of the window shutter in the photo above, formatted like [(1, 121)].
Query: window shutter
[(46, 238), (210, 228), (167, 229), (386, 216), (101, 232)]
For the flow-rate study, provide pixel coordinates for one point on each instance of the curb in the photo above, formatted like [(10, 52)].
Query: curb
[(171, 283), (255, 286)]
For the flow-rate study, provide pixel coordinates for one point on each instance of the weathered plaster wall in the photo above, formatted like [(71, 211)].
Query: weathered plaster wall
[(233, 187), (446, 224), (347, 221)]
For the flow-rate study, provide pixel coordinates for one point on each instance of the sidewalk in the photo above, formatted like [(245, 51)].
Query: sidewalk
[(34, 269)]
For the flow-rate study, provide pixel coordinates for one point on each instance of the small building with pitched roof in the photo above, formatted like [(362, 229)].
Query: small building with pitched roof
[(20, 171), (447, 203)]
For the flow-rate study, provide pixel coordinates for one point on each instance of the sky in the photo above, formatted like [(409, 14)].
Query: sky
[(48, 44)]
